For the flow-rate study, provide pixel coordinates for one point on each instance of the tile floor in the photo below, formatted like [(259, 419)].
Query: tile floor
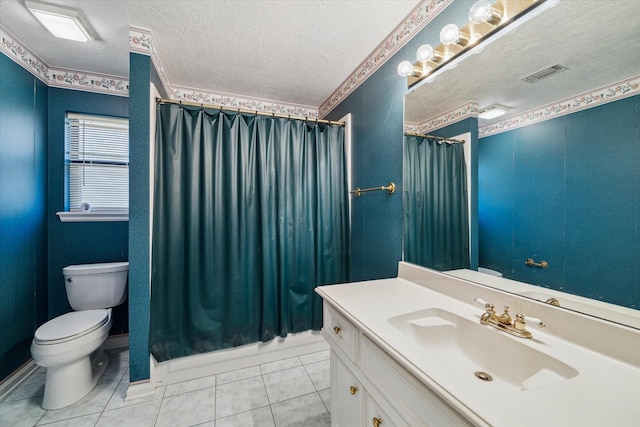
[(288, 392)]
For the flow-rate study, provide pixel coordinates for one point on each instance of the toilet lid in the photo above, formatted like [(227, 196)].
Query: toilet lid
[(71, 325)]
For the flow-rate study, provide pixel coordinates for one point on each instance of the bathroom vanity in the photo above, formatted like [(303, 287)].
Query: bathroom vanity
[(411, 351)]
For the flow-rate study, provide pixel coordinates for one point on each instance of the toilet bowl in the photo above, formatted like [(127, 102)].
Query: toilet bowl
[(70, 346)]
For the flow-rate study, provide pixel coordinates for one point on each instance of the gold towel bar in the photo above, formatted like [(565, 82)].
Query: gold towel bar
[(531, 263), (391, 188)]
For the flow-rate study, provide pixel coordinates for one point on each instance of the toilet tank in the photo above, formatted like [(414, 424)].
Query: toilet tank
[(92, 286)]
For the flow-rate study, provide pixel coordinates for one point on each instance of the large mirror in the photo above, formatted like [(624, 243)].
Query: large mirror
[(555, 187)]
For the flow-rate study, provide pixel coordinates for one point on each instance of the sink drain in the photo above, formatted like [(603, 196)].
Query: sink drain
[(483, 376)]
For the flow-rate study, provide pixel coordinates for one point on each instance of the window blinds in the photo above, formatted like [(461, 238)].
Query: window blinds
[(97, 154)]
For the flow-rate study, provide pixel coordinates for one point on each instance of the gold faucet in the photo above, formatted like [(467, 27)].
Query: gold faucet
[(516, 327)]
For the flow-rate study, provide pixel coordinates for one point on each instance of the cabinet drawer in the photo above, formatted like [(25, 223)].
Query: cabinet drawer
[(418, 405), (339, 331)]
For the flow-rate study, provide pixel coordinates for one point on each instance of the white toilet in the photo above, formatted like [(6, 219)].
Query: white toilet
[(70, 346)]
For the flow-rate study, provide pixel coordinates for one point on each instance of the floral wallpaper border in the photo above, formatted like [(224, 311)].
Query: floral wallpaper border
[(593, 98), (470, 109), (421, 15), (58, 77), (141, 41), (234, 102)]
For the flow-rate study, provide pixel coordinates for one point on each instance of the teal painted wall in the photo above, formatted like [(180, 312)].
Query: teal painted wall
[(34, 244), (566, 190), (23, 198), (140, 76), (377, 116), (79, 242)]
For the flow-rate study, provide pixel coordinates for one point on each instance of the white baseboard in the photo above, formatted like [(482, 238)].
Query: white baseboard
[(201, 365), (117, 341), (139, 389), (16, 378)]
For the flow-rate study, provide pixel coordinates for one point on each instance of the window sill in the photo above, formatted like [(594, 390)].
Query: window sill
[(93, 216)]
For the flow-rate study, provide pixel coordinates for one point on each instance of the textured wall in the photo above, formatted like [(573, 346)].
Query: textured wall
[(140, 74), (567, 191), (377, 113), (79, 242), (23, 258)]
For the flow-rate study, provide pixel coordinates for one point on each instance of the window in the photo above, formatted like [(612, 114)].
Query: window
[(97, 160)]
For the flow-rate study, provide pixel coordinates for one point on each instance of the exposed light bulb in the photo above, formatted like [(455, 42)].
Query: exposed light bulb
[(481, 11), (450, 34), (405, 69), (425, 53)]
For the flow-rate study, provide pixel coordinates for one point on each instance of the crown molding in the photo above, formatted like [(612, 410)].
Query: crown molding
[(593, 98), (470, 109), (60, 77), (421, 15)]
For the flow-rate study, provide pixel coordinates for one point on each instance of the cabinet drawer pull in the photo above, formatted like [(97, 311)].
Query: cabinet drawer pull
[(353, 389), (376, 422), (336, 330)]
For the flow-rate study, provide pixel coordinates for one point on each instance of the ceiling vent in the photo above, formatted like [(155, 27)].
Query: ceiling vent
[(543, 74)]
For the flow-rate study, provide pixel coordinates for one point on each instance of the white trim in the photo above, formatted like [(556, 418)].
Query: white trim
[(347, 119), (16, 378), (139, 389), (93, 216), (117, 341), (191, 367)]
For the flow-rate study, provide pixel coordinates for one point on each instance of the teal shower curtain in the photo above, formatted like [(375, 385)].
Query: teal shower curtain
[(250, 215), (436, 218)]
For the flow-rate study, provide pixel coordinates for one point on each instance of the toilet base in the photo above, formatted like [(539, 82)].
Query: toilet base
[(69, 383)]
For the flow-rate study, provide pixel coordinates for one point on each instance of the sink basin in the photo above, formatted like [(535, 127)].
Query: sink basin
[(467, 347)]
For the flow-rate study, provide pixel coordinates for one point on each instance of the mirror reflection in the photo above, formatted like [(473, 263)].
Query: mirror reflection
[(558, 204)]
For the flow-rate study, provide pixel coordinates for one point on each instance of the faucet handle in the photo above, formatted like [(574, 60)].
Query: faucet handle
[(481, 302), (535, 320)]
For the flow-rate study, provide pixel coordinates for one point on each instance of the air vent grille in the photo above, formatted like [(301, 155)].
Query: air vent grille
[(543, 74)]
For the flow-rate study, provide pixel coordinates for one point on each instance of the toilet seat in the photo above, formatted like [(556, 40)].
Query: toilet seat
[(70, 326)]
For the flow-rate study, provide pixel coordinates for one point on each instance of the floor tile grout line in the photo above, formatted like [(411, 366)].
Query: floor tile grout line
[(118, 379)]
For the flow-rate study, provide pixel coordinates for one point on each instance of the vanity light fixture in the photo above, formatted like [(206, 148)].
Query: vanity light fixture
[(487, 23), (61, 22), (482, 11), (492, 112), (406, 69), (451, 34)]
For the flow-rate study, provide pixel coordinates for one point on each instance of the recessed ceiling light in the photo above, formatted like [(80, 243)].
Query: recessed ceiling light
[(61, 22), (492, 112)]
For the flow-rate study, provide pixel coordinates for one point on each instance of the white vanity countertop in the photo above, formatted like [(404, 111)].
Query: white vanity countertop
[(604, 393)]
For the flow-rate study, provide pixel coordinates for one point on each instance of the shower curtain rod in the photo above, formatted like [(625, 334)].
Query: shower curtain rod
[(438, 138), (239, 110)]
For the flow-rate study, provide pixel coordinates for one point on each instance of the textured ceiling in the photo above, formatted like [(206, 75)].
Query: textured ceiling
[(108, 54), (599, 41), (296, 51)]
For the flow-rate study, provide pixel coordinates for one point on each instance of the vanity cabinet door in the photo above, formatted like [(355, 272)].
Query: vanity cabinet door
[(347, 393)]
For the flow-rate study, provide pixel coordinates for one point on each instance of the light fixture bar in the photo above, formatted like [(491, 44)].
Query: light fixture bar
[(513, 14), (61, 22)]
